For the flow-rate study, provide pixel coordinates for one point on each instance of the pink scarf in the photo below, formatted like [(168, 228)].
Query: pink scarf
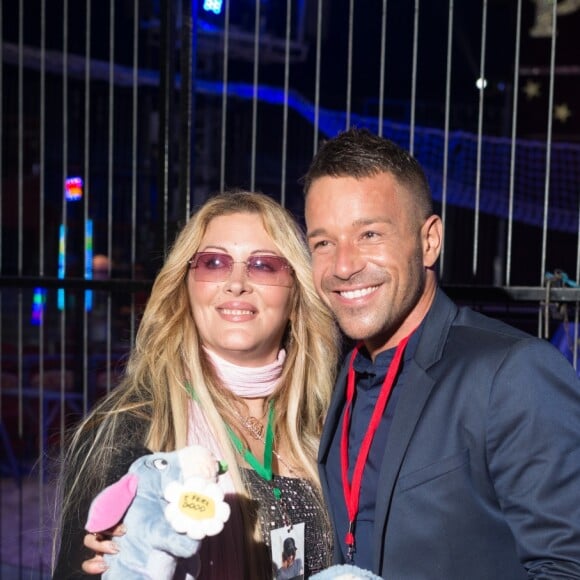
[(248, 381), (243, 382)]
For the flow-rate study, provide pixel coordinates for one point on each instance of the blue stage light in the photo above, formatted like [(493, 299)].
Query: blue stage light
[(214, 6)]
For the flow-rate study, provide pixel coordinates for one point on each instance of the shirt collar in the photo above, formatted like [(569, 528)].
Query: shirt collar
[(364, 364)]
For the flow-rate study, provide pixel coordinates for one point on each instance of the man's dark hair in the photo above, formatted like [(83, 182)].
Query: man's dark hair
[(289, 548), (359, 153)]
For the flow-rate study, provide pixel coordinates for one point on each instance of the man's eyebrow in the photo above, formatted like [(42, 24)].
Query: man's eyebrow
[(355, 224), (371, 221), (315, 233)]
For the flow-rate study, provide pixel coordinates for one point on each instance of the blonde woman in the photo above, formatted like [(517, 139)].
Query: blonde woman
[(234, 343)]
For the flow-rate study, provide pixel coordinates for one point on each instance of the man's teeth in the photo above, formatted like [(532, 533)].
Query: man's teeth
[(235, 312), (351, 294)]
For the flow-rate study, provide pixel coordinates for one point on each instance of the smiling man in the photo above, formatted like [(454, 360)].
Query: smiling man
[(452, 445)]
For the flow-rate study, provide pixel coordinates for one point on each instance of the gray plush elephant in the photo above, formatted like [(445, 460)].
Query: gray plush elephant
[(169, 503)]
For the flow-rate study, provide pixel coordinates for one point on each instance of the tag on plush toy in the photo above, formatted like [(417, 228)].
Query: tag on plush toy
[(196, 507)]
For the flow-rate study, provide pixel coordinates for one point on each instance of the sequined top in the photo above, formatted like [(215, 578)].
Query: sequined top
[(302, 504)]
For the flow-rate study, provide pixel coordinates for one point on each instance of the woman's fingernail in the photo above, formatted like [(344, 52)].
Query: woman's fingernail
[(115, 547)]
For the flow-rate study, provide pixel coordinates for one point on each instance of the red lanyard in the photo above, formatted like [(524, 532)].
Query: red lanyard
[(352, 492)]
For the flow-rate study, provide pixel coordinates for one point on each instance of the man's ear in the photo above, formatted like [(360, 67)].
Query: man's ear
[(432, 240)]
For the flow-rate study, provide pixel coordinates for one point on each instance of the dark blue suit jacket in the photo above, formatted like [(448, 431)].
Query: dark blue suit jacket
[(481, 471)]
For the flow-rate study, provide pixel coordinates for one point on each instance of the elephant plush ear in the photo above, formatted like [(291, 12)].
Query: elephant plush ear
[(109, 507)]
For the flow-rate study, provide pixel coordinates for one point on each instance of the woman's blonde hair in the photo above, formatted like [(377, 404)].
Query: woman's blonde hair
[(168, 359)]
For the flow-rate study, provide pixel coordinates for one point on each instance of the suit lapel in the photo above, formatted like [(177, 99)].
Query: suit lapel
[(411, 402), (416, 391)]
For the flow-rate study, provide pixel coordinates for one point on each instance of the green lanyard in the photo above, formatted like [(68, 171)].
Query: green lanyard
[(264, 470)]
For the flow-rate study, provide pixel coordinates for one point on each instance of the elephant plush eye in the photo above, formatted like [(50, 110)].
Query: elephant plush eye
[(160, 464)]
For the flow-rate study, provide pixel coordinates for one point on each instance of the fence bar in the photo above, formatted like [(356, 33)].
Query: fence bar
[(20, 209), (285, 105), (516, 91), (482, 82), (64, 219), (317, 75), (414, 77), (87, 195), (110, 187), (255, 87), (41, 271), (349, 64), (446, 132), (383, 65), (549, 139), (166, 96), (134, 166), (226, 37), (187, 109), (543, 321)]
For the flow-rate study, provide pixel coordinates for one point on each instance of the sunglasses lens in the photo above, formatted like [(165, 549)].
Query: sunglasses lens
[(211, 266), (266, 270), (272, 270)]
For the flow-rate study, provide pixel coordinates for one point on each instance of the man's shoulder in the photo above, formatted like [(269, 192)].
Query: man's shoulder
[(470, 320), (455, 329), (464, 319)]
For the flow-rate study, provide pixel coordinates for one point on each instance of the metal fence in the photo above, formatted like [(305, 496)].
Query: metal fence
[(117, 118)]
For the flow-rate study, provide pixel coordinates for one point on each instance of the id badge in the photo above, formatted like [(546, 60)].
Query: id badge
[(288, 552)]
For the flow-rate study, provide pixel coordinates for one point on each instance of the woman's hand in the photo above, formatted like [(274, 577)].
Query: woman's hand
[(101, 544)]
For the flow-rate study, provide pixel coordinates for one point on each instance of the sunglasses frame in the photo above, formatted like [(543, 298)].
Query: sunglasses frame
[(249, 273)]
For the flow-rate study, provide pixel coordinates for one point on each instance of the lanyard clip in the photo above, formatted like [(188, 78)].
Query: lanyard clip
[(349, 539)]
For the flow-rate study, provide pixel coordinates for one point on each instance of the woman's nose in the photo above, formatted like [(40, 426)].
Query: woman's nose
[(237, 281)]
